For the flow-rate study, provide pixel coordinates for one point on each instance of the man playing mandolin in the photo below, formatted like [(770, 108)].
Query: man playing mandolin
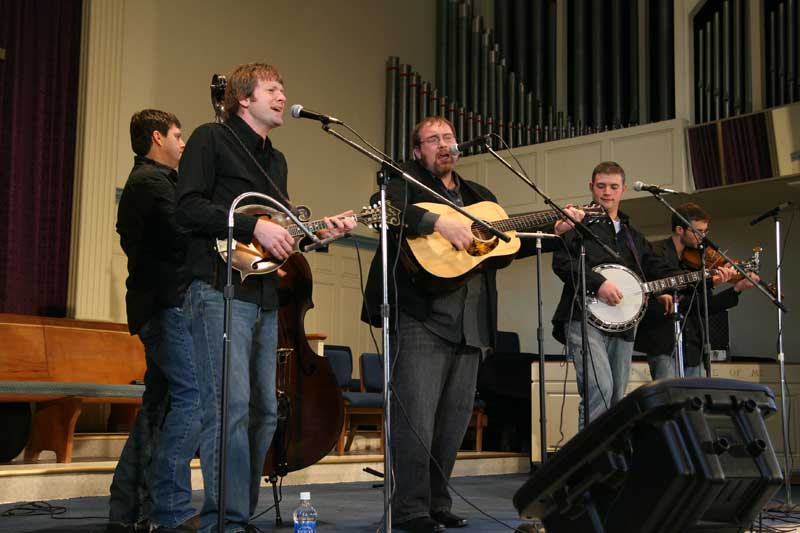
[(440, 336), (655, 335), (609, 353), (222, 161)]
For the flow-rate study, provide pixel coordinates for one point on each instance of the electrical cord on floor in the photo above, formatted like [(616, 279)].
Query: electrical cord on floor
[(42, 508)]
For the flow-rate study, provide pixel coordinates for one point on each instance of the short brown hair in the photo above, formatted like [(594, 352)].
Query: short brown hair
[(691, 212), (243, 80), (608, 167), (144, 123), (416, 141)]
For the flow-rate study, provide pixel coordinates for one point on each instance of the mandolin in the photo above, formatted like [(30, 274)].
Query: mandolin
[(251, 258)]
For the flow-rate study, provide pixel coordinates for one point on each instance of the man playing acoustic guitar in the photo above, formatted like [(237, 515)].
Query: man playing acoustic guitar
[(438, 337)]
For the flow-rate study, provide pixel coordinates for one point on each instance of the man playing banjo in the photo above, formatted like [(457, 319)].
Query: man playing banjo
[(609, 352)]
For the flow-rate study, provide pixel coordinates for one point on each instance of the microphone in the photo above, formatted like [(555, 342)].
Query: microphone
[(771, 213), (655, 189), (299, 112), (460, 148)]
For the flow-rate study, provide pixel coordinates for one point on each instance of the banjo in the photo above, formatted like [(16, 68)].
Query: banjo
[(628, 313)]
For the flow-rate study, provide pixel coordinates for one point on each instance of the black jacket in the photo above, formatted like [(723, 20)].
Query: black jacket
[(152, 240), (414, 299), (649, 266), (215, 169), (655, 334)]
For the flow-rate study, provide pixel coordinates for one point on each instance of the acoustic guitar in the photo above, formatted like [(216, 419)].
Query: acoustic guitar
[(251, 258), (438, 258)]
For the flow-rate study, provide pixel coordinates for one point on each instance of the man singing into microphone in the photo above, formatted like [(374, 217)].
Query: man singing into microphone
[(440, 336), (222, 161)]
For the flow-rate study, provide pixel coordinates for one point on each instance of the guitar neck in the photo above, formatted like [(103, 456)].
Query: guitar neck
[(674, 282), (526, 221)]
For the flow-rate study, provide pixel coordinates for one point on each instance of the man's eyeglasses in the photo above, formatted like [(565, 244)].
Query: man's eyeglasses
[(434, 140)]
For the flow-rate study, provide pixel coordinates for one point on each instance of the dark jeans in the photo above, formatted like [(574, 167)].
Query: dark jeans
[(434, 380), (153, 478)]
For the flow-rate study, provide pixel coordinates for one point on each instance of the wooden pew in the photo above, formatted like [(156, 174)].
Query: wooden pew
[(60, 364)]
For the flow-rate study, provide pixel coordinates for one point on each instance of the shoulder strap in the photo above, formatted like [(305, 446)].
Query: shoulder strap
[(258, 165)]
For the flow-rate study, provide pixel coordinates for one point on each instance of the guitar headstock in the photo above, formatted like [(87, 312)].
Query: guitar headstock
[(594, 210), (371, 215)]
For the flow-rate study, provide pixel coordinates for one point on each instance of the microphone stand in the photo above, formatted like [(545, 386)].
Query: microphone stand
[(227, 295), (389, 168), (678, 334), (787, 478), (540, 338), (776, 301), (584, 232)]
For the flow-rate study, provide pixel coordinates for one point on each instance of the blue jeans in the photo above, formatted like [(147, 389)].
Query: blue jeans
[(662, 366), (252, 401), (152, 478), (609, 361)]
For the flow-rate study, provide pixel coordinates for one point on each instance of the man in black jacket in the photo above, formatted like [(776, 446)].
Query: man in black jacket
[(154, 464), (439, 336), (609, 353), (655, 335), (221, 162)]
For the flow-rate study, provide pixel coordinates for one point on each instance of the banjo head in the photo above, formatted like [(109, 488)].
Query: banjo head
[(626, 314)]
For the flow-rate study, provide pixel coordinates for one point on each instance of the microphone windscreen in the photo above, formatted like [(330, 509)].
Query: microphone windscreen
[(296, 108)]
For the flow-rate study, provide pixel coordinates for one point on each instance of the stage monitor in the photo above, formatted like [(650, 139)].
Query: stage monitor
[(679, 455)]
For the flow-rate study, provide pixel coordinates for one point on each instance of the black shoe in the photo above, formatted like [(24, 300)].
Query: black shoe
[(421, 524), (250, 528), (449, 519)]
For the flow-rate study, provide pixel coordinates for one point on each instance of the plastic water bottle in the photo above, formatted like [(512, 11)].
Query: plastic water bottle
[(305, 516)]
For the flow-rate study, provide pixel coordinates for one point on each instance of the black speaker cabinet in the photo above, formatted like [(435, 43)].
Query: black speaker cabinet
[(679, 455)]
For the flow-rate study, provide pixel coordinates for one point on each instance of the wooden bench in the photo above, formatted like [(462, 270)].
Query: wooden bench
[(61, 364)]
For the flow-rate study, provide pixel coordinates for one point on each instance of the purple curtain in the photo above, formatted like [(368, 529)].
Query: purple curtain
[(745, 143), (704, 154), (38, 110)]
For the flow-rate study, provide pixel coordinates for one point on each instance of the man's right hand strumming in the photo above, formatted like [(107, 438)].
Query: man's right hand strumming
[(609, 293), (274, 238), (455, 231)]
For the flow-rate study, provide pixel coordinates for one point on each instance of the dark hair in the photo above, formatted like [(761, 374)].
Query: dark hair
[(416, 141), (608, 167), (144, 123), (691, 212), (242, 82)]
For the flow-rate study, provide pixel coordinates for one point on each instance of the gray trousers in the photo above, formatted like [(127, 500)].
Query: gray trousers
[(434, 380)]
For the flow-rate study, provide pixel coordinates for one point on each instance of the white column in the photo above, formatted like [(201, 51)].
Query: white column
[(94, 210)]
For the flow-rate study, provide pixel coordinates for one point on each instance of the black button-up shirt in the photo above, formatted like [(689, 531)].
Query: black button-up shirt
[(152, 240), (215, 169)]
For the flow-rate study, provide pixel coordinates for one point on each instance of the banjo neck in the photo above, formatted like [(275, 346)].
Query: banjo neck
[(673, 282)]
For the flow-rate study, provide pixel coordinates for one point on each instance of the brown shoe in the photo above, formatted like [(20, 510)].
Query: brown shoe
[(192, 524)]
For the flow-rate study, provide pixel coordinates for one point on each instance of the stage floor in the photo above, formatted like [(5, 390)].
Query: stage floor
[(342, 507)]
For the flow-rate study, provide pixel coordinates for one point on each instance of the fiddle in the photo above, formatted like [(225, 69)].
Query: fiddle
[(692, 258)]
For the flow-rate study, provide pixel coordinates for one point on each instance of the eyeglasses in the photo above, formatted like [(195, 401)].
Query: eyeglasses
[(433, 140)]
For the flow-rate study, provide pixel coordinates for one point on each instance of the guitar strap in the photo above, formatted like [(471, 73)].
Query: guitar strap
[(258, 165), (632, 247)]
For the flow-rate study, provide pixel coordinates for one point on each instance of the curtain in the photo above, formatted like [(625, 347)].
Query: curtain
[(745, 143), (704, 155), (38, 110)]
